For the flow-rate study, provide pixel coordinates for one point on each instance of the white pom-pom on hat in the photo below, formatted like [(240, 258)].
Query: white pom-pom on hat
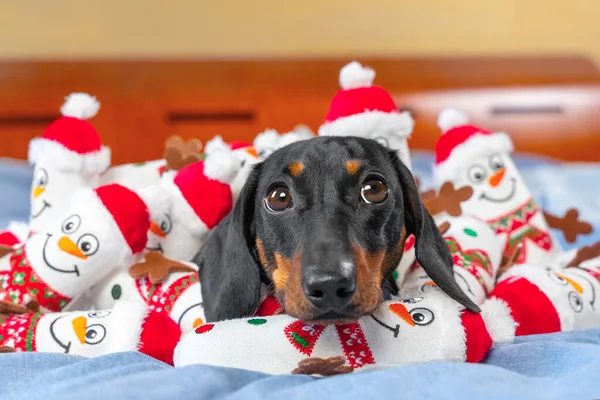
[(215, 144), (222, 166), (354, 75), (266, 138), (80, 105), (498, 320), (451, 118)]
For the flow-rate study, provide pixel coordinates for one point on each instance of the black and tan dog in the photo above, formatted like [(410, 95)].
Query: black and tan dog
[(323, 223)]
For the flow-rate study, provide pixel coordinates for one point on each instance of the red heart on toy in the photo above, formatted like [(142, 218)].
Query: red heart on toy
[(204, 328)]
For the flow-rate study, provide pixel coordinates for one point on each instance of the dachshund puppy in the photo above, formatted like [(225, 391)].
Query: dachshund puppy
[(323, 223)]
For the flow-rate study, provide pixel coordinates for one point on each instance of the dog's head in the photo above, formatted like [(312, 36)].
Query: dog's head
[(324, 222)]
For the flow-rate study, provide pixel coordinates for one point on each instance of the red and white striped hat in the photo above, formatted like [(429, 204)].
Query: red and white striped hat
[(361, 107), (461, 141), (70, 142)]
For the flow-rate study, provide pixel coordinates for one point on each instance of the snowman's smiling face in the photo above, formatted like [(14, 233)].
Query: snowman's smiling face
[(159, 230), (50, 190), (75, 246), (168, 235), (498, 187), (39, 204), (74, 332)]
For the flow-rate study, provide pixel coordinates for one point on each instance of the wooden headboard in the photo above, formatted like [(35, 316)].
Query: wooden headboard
[(550, 106)]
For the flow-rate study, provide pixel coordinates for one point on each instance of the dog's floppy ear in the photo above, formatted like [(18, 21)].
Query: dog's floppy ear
[(229, 272), (431, 249)]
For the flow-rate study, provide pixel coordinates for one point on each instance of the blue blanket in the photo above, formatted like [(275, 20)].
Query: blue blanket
[(557, 366)]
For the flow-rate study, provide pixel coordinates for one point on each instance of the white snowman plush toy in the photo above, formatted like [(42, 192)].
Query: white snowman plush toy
[(126, 327), (68, 155), (476, 253), (424, 328), (366, 110), (185, 206), (467, 155), (102, 230), (177, 295)]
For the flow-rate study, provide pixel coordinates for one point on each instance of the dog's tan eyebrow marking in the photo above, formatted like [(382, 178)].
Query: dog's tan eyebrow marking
[(296, 168), (352, 167)]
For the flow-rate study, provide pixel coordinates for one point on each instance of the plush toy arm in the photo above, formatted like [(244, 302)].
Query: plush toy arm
[(570, 224)]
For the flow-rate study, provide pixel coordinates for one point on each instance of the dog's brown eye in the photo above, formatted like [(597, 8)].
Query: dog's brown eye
[(373, 191), (279, 199)]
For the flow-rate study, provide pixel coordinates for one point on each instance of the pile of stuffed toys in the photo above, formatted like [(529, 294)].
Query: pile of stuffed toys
[(103, 264)]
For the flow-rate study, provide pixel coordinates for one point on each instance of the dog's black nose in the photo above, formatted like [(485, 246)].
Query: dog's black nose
[(327, 291)]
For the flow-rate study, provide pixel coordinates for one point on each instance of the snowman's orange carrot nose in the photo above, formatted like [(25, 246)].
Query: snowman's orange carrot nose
[(69, 247), (197, 323), (154, 228), (401, 311), (252, 152), (575, 285), (429, 283), (79, 326), (497, 177), (37, 191)]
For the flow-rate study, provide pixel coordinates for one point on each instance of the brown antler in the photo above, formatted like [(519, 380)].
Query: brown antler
[(10, 308), (157, 267), (448, 199), (443, 228), (585, 253), (323, 366), (179, 154), (570, 224), (7, 349), (508, 262), (4, 250)]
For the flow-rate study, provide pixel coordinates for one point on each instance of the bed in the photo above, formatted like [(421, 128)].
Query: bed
[(545, 366), (548, 105)]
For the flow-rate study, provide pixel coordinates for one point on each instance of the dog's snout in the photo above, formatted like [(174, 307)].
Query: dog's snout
[(329, 291)]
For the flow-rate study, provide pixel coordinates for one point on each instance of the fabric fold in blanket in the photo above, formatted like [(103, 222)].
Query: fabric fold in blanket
[(556, 366)]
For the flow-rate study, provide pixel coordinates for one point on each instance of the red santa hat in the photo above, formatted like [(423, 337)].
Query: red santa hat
[(152, 333), (494, 325), (531, 309), (125, 209), (17, 232), (70, 142), (460, 142), (199, 194), (361, 106)]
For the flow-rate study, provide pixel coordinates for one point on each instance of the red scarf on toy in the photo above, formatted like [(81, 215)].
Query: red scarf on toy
[(18, 331), (519, 229), (304, 337), (160, 298), (21, 284)]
